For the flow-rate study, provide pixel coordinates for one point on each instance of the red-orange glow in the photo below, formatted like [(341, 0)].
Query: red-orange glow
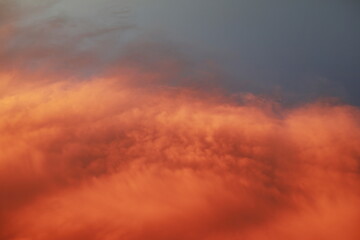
[(108, 159)]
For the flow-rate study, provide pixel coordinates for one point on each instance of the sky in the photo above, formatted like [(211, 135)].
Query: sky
[(293, 51), (196, 120), (310, 48)]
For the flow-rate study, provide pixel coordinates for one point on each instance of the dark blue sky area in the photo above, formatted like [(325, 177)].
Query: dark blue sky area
[(297, 49), (294, 50)]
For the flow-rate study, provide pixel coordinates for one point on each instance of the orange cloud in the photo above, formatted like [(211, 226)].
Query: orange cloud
[(109, 159), (126, 156)]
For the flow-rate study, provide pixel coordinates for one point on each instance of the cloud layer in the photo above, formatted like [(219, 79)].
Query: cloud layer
[(126, 155), (109, 159)]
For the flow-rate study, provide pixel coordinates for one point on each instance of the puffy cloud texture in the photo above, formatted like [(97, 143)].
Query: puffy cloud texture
[(109, 159), (125, 155)]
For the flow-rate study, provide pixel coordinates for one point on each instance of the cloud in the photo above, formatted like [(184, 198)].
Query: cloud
[(126, 155), (38, 39), (108, 159)]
